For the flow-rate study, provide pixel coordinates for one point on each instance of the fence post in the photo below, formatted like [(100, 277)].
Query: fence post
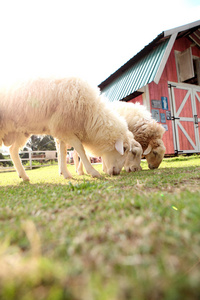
[(30, 159)]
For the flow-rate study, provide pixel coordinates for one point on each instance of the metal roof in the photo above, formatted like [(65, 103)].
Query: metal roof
[(147, 65), (136, 76)]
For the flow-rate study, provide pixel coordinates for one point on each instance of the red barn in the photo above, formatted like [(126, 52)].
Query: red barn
[(165, 77)]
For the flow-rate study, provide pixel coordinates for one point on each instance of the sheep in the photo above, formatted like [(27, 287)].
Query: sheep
[(134, 154), (146, 131), (71, 111)]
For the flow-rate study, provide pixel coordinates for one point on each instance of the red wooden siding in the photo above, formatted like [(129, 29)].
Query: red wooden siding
[(184, 143), (187, 109), (137, 99), (198, 103), (161, 90), (155, 93), (170, 74)]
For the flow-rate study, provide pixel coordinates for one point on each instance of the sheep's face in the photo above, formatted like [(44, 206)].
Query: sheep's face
[(133, 159), (154, 153), (113, 162)]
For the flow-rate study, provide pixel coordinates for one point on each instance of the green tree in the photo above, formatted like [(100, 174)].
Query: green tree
[(41, 143)]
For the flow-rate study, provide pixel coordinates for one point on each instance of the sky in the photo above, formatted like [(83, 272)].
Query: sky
[(86, 38)]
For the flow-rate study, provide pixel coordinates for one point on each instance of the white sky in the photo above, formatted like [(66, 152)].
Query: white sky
[(88, 38)]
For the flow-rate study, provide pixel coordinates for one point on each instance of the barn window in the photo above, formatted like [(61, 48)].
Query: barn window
[(188, 67)]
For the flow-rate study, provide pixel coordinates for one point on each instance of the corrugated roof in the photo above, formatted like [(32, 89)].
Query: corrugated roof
[(136, 76), (147, 65)]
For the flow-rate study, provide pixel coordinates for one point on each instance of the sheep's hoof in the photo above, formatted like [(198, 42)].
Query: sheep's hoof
[(96, 175), (25, 178), (80, 173), (67, 176)]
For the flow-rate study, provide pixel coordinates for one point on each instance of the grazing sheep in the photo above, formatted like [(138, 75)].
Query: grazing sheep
[(72, 112), (146, 131), (133, 165)]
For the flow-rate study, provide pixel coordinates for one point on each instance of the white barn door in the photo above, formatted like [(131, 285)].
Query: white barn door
[(185, 101)]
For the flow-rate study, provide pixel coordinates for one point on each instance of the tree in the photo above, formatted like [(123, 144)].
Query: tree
[(41, 143)]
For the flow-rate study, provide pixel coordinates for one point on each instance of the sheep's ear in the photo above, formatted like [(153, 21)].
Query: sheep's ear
[(148, 150), (119, 146)]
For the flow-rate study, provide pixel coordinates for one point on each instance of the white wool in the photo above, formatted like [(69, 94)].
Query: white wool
[(71, 111), (59, 107), (139, 121), (146, 131)]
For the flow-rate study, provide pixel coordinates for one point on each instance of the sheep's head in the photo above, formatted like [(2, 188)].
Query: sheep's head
[(154, 153), (114, 160), (133, 159)]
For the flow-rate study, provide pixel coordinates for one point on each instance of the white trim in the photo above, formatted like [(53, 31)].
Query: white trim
[(142, 89), (181, 28), (184, 85), (195, 94), (147, 98), (170, 91), (188, 151), (187, 119), (165, 58)]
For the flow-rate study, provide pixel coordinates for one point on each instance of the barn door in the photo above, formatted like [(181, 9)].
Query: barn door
[(197, 116), (186, 117)]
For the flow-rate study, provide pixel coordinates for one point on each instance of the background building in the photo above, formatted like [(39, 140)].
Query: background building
[(165, 76)]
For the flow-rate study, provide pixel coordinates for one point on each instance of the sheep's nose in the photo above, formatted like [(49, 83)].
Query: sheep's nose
[(151, 167), (115, 171)]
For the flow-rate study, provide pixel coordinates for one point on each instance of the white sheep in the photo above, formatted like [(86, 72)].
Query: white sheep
[(71, 111), (146, 131)]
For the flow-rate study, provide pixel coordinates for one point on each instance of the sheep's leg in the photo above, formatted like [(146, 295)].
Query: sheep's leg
[(62, 152), (59, 159), (79, 170), (79, 148), (58, 152), (78, 164), (76, 161), (14, 153)]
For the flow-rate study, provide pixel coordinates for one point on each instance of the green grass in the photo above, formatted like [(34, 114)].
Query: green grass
[(132, 236)]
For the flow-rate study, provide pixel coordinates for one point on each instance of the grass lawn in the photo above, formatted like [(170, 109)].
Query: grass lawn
[(133, 236)]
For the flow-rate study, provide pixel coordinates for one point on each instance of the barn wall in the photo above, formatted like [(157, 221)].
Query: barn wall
[(137, 99), (184, 43), (158, 91)]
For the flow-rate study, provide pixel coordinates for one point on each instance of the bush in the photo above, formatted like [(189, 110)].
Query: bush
[(5, 163)]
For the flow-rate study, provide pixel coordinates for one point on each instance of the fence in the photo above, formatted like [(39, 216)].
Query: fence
[(45, 157), (29, 157)]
